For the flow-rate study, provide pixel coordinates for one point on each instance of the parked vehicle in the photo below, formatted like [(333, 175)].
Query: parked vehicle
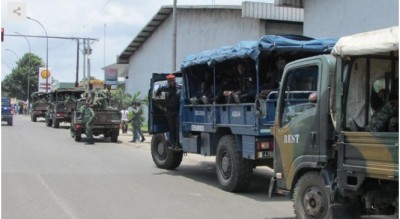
[(6, 111), (63, 102), (107, 122), (40, 102), (235, 130), (334, 147)]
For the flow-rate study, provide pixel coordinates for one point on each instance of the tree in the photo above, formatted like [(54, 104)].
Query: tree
[(15, 84)]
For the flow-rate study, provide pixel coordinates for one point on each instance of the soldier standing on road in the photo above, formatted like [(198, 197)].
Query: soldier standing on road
[(88, 117), (172, 106), (137, 122)]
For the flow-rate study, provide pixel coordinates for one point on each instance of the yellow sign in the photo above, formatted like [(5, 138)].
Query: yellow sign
[(45, 74)]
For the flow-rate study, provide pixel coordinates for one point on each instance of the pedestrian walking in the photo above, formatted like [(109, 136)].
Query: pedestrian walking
[(124, 120)]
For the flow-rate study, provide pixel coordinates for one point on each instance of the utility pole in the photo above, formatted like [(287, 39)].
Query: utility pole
[(174, 37), (84, 62), (77, 64)]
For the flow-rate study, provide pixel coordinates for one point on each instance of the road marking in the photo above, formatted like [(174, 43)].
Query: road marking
[(64, 206)]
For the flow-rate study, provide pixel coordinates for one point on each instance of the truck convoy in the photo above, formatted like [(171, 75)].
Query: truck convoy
[(330, 131), (227, 105), (341, 147)]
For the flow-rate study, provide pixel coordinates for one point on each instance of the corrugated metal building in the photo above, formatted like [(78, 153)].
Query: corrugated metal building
[(200, 28), (345, 17)]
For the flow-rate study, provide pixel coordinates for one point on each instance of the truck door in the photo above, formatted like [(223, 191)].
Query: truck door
[(298, 124), (157, 122)]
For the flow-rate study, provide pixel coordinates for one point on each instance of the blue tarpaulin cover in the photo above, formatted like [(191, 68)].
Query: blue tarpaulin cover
[(252, 49)]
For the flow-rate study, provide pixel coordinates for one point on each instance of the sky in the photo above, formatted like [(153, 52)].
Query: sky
[(114, 23)]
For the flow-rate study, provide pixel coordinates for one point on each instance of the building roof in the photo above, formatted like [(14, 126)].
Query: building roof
[(250, 9), (156, 21)]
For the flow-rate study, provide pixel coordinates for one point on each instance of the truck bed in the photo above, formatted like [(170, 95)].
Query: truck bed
[(374, 155)]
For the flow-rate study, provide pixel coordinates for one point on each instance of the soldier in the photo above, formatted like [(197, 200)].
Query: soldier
[(383, 110), (88, 117), (172, 106), (137, 122)]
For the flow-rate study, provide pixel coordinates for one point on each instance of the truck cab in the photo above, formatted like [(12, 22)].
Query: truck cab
[(337, 145)]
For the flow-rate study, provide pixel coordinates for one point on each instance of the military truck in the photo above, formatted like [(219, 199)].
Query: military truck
[(236, 131), (62, 105), (336, 147), (107, 122), (40, 102)]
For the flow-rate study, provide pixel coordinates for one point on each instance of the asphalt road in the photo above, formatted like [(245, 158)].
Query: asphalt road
[(46, 174)]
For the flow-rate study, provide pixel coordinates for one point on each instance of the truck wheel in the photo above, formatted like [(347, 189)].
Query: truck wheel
[(311, 199), (33, 118), (56, 123), (49, 122), (114, 135), (233, 171), (72, 132), (78, 135), (10, 122), (162, 156)]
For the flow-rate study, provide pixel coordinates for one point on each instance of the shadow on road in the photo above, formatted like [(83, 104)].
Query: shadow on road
[(204, 172)]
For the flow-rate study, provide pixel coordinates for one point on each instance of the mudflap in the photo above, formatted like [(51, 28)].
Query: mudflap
[(344, 211)]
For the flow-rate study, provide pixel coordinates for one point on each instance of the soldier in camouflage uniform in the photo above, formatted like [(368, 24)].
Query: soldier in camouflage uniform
[(88, 117), (384, 118), (136, 122)]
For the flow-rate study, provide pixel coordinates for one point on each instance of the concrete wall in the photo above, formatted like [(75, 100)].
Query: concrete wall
[(327, 18)]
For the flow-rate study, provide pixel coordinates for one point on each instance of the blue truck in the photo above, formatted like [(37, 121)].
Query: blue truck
[(227, 105)]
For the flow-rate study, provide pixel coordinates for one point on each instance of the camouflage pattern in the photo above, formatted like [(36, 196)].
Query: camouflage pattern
[(136, 120), (317, 140), (381, 120), (88, 117)]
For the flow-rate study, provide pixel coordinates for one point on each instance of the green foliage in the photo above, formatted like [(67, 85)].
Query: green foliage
[(15, 84), (122, 100)]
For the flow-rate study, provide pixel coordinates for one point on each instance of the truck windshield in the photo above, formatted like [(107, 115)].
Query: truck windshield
[(300, 87)]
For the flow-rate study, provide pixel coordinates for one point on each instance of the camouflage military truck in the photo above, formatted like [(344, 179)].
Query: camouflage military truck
[(337, 147), (107, 122), (40, 102), (63, 102)]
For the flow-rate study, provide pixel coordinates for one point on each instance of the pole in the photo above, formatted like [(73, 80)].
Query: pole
[(77, 64), (29, 65), (174, 37), (84, 63), (47, 51), (104, 59), (16, 56)]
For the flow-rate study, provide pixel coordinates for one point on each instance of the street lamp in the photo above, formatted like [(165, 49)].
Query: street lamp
[(29, 65), (47, 50), (14, 53)]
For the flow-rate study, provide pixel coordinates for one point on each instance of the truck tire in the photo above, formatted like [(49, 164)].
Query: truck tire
[(72, 132), (311, 199), (33, 118), (162, 156), (233, 171), (56, 123), (49, 122), (114, 135), (78, 135)]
